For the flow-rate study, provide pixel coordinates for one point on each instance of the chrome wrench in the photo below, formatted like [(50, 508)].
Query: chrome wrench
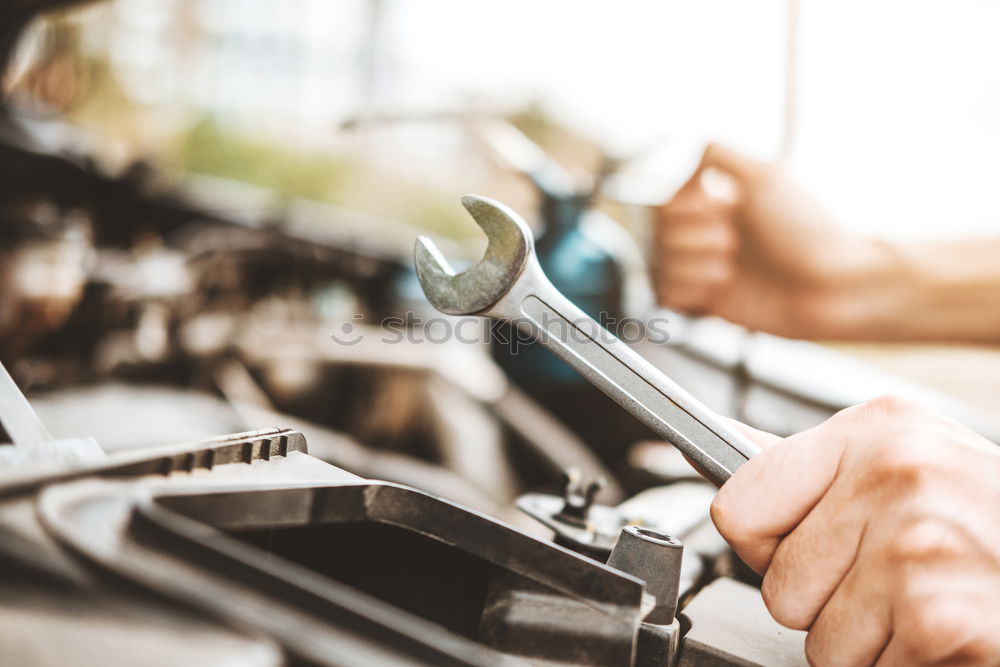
[(509, 284)]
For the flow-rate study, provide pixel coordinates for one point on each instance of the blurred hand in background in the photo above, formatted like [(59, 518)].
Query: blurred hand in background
[(756, 250), (760, 252)]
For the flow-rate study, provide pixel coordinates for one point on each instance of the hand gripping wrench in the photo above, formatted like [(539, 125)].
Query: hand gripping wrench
[(509, 284)]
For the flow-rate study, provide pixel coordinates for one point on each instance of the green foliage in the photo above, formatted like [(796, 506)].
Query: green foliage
[(208, 149)]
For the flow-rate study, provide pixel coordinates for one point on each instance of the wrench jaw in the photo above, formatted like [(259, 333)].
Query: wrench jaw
[(477, 289)]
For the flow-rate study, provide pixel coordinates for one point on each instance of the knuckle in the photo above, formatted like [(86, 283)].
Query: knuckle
[(816, 655), (902, 460), (925, 540), (926, 628), (722, 517), (781, 601), (920, 631), (890, 405), (938, 628), (737, 529)]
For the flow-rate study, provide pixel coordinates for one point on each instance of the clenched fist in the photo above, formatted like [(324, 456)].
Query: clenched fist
[(879, 533), (765, 255)]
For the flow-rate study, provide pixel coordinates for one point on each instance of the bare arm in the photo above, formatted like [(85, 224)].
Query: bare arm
[(935, 291)]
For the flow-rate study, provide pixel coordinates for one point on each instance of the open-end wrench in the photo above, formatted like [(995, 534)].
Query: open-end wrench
[(509, 284)]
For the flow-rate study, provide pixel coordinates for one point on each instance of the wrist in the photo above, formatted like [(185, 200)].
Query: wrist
[(868, 294), (953, 289), (920, 291)]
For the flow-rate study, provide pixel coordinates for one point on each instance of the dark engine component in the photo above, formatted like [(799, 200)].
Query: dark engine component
[(277, 557)]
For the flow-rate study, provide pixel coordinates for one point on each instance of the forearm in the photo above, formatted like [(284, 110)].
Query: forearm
[(944, 291)]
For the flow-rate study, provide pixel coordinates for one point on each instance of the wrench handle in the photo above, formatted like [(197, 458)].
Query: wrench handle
[(634, 383)]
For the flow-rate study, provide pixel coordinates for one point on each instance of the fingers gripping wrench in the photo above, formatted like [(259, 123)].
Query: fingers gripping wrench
[(509, 284)]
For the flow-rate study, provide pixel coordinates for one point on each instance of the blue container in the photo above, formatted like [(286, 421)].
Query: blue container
[(580, 267)]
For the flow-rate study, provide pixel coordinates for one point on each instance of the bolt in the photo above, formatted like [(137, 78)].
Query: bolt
[(577, 503), (655, 558)]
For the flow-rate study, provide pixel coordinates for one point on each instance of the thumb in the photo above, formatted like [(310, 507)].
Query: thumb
[(692, 186), (734, 163), (762, 439), (774, 491)]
